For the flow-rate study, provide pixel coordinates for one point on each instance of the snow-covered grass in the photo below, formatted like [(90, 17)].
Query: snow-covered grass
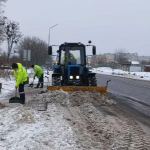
[(7, 87), (119, 72)]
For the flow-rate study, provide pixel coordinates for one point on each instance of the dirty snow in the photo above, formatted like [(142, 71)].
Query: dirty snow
[(72, 121), (75, 98)]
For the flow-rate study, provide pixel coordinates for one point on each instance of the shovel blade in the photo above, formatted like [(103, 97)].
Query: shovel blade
[(15, 100)]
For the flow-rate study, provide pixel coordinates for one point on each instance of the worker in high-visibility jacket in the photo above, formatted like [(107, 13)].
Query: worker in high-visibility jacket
[(21, 77), (38, 72), (68, 56)]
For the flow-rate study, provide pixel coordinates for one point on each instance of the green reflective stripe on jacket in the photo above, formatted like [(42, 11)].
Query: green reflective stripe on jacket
[(38, 71), (20, 75)]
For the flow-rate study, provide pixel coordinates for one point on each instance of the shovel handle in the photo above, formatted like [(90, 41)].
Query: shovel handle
[(16, 93)]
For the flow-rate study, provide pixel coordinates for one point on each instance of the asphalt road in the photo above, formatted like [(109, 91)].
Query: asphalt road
[(136, 92)]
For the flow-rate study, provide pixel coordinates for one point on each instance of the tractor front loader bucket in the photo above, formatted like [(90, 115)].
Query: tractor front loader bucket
[(103, 90)]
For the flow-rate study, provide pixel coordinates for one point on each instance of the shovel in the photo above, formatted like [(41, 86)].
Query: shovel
[(15, 99)]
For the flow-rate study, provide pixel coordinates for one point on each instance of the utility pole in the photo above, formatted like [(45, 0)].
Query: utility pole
[(49, 44)]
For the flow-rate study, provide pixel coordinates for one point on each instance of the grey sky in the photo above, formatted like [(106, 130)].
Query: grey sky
[(110, 24)]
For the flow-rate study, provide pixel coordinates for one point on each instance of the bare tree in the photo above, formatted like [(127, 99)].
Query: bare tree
[(144, 62), (38, 48), (1, 31), (2, 19), (13, 35), (121, 56)]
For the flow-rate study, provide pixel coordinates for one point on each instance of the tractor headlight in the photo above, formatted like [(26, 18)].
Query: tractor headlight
[(56, 63), (71, 77), (77, 77)]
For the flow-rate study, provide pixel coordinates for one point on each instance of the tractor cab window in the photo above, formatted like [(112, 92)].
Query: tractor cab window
[(72, 55)]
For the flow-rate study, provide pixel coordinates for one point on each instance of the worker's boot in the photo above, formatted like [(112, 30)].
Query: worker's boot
[(37, 86), (41, 85)]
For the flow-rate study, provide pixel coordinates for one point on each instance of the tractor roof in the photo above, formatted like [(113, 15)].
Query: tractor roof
[(72, 44)]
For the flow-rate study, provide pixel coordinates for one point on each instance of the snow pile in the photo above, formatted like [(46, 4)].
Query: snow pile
[(119, 72), (22, 128), (2, 106), (7, 88), (110, 71), (104, 70), (141, 74), (74, 98), (73, 121)]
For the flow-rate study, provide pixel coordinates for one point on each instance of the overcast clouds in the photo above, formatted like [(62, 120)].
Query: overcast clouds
[(110, 24)]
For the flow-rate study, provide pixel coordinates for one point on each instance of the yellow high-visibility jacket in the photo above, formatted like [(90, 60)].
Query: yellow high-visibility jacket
[(20, 75), (66, 57), (38, 71)]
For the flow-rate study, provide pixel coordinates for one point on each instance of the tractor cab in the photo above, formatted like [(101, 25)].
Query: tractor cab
[(70, 67)]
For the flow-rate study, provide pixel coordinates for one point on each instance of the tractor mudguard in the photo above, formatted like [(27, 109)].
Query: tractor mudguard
[(56, 75), (91, 74)]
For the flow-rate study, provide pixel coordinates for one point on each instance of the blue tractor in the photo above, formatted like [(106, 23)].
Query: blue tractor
[(70, 66)]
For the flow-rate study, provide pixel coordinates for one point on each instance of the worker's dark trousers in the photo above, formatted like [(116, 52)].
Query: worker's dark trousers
[(22, 93), (41, 81)]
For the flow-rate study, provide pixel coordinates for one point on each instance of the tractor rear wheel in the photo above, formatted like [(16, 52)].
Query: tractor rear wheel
[(92, 81), (56, 81)]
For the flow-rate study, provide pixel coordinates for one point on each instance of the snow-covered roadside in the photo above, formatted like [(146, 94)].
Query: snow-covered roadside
[(7, 87), (22, 128), (8, 84), (121, 73), (73, 121)]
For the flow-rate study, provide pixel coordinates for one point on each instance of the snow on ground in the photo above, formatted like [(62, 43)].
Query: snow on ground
[(7, 87), (73, 121), (119, 72), (22, 128)]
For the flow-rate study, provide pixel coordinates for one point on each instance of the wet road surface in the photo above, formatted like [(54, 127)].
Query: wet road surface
[(131, 92)]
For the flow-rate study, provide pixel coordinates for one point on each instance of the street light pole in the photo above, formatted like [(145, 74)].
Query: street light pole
[(49, 43), (49, 34)]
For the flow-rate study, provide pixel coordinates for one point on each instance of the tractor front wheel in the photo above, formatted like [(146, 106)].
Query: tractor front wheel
[(92, 81), (56, 81)]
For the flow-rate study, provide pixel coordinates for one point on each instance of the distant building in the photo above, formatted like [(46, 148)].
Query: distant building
[(145, 58), (135, 63), (110, 57), (147, 68), (132, 56)]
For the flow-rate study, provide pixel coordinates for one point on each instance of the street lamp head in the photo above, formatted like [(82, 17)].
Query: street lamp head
[(49, 34), (53, 26)]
